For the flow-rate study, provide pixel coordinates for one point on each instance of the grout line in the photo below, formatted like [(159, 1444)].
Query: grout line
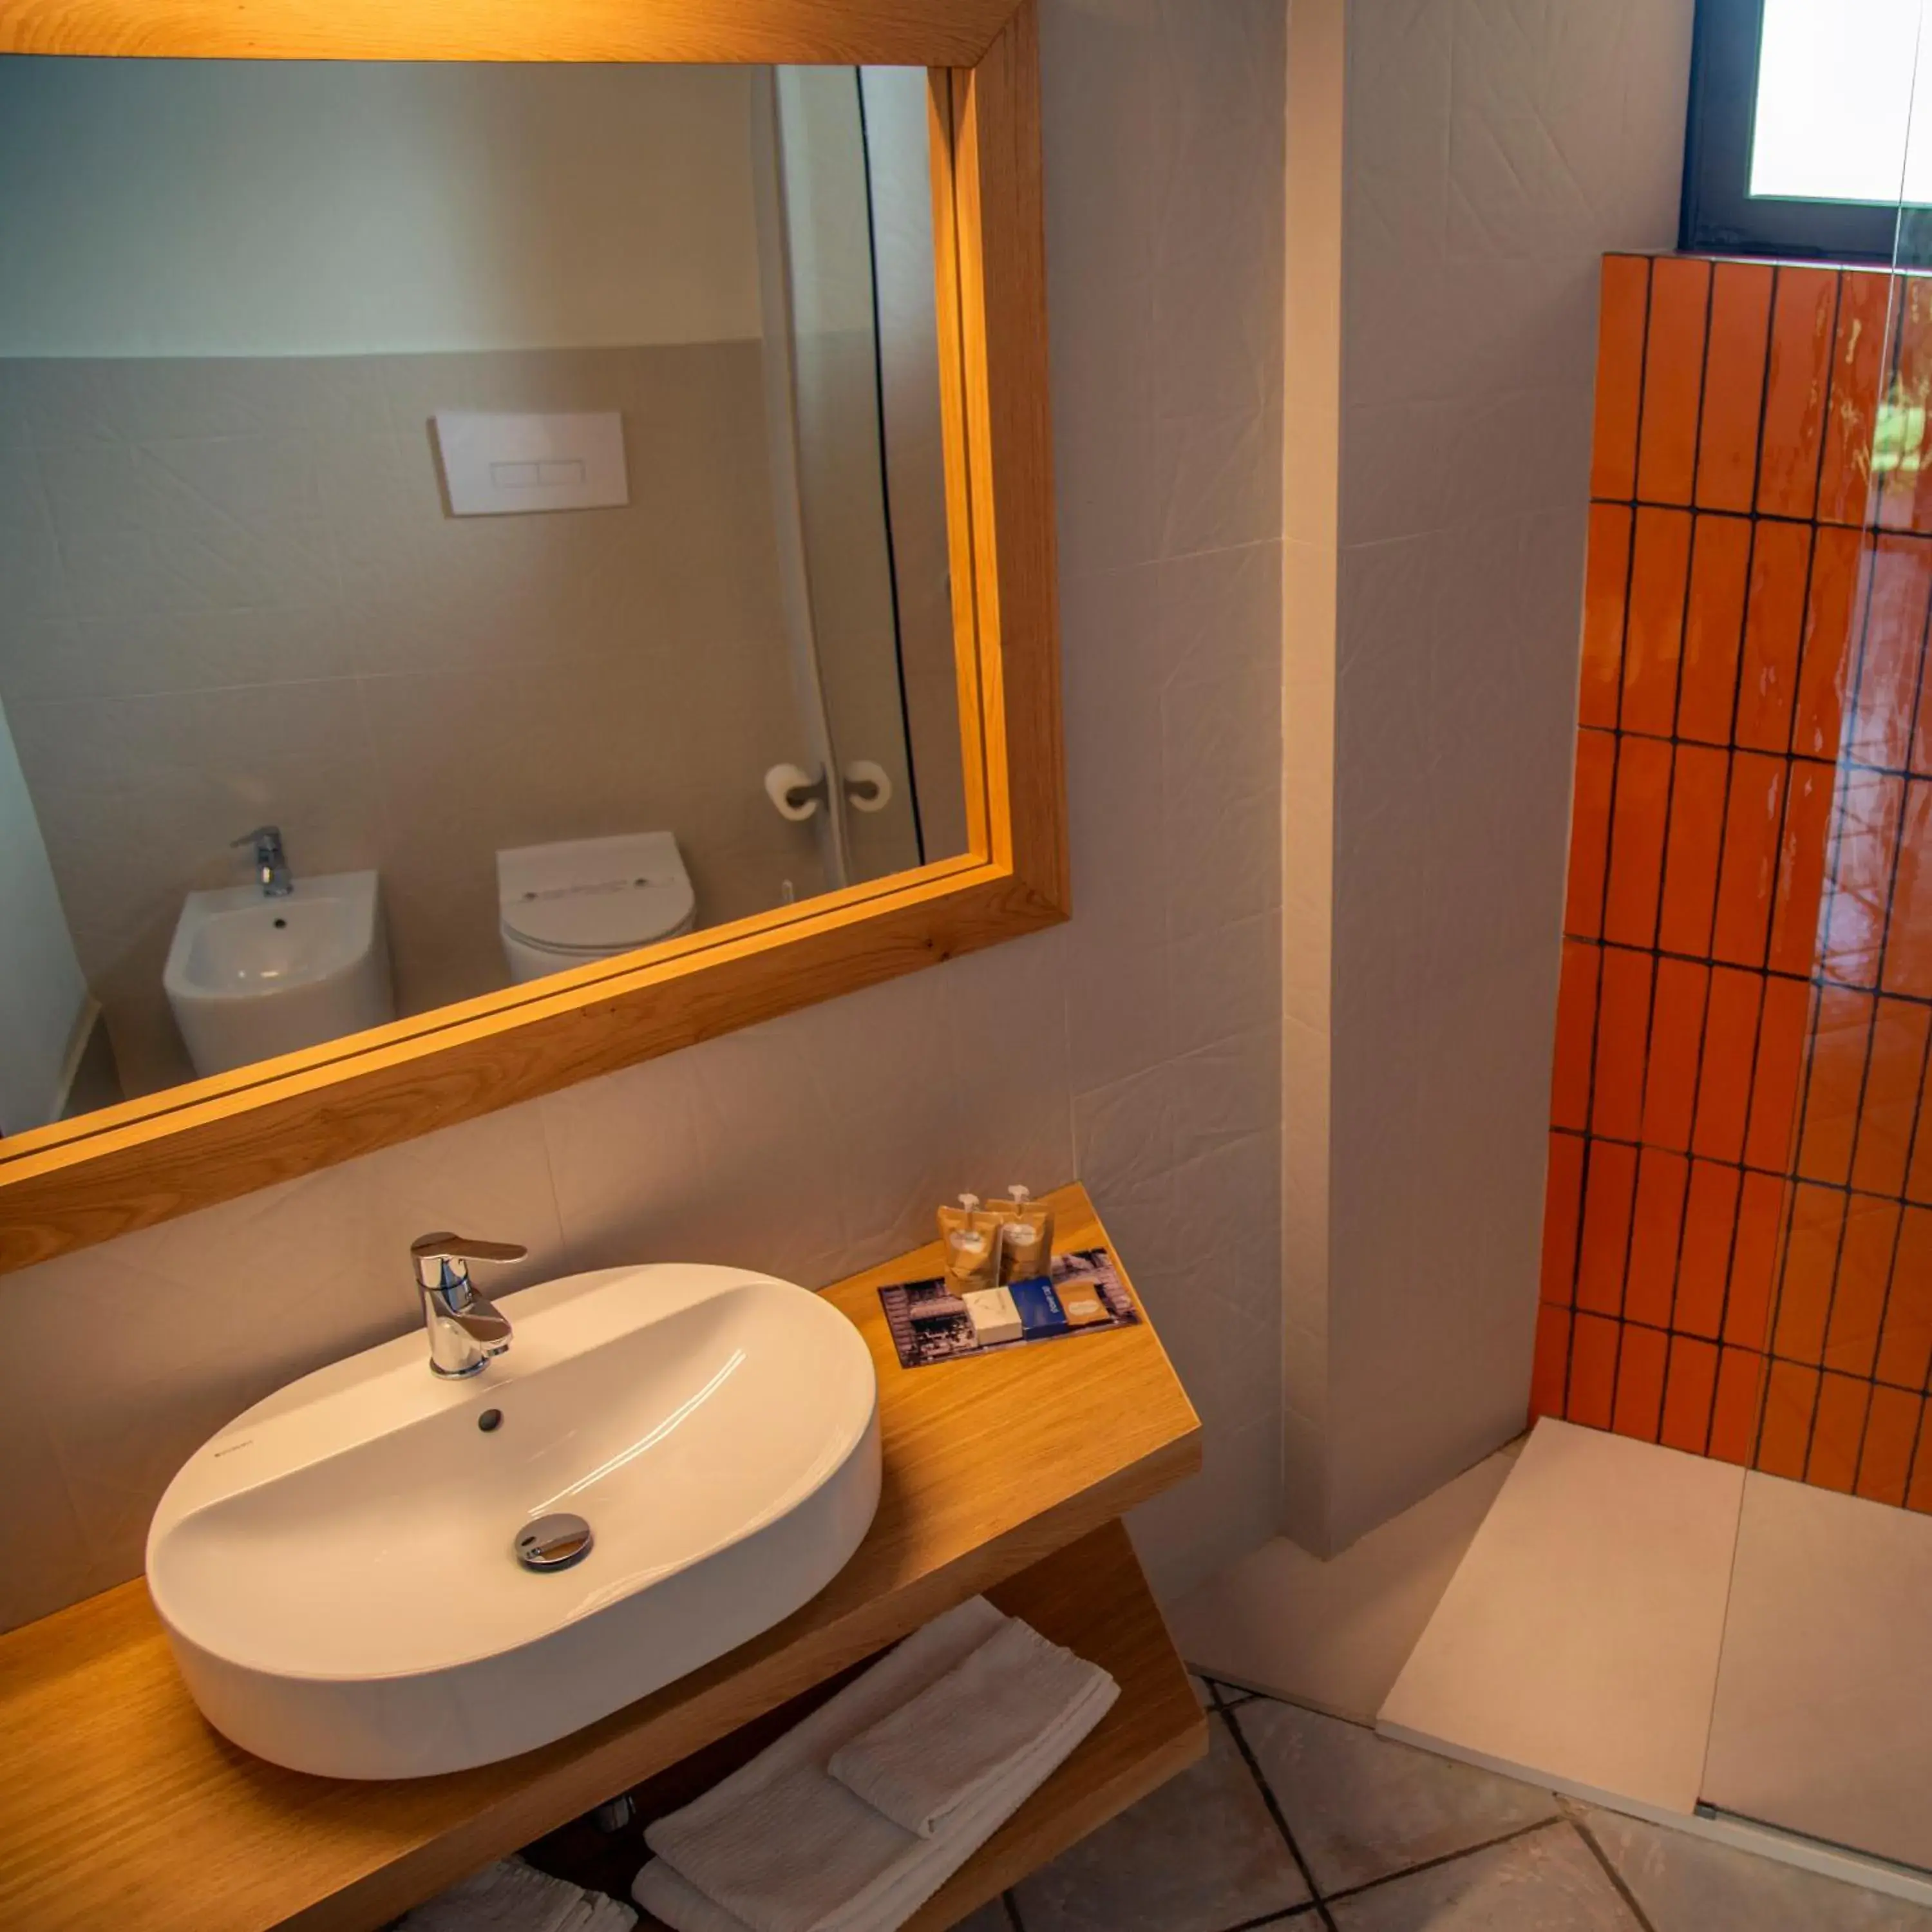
[(1780, 874), (1851, 727), (1784, 517), (1277, 1918), (1781, 1174), (1610, 817), (1275, 1812), (1765, 1355), (1829, 887), (1845, 762), (1610, 1871), (1665, 870), (1730, 1590), (1733, 750), (1824, 982), (1903, 833), (1447, 1859), (1610, 823), (1925, 1385)]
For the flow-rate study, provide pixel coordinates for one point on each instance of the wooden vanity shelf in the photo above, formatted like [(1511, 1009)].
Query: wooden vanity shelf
[(119, 1807)]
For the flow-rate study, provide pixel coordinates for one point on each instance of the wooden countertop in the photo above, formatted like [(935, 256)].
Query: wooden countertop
[(120, 1807)]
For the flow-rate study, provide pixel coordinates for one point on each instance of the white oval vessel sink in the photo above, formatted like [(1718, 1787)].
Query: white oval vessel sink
[(249, 976), (337, 1569)]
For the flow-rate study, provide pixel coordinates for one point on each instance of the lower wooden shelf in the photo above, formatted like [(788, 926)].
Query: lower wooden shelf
[(1092, 1598)]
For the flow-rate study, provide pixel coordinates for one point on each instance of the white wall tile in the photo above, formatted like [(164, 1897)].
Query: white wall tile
[(1099, 87), (1116, 652), (1230, 1506), (1216, 480), (50, 1563), (1493, 150), (1227, 983), (30, 556)]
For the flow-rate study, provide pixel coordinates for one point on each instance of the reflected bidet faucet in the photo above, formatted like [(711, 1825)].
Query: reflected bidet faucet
[(272, 863), (465, 1329)]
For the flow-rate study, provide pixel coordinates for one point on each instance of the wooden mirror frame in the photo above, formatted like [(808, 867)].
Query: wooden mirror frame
[(130, 1166)]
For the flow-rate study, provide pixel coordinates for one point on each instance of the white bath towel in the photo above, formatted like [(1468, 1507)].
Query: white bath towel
[(513, 1897), (925, 1865), (784, 1804), (783, 1847), (963, 1735), (665, 1895)]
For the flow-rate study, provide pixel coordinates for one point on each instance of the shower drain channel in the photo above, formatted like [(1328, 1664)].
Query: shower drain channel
[(554, 1542)]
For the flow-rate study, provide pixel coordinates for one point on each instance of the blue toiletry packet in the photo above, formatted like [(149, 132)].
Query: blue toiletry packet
[(1040, 1311)]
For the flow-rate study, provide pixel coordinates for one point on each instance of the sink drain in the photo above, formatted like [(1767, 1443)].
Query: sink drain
[(554, 1542)]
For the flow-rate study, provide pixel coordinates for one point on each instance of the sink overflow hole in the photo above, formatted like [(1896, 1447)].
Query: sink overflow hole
[(490, 1418), (554, 1542), (280, 923)]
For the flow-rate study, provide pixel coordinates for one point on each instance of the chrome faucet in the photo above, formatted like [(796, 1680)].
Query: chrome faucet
[(272, 863), (465, 1329)]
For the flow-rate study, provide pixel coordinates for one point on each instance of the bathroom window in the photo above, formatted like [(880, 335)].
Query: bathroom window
[(1807, 135)]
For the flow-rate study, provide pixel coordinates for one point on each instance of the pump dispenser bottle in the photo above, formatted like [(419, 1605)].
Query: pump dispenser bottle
[(971, 1238), (1026, 1235)]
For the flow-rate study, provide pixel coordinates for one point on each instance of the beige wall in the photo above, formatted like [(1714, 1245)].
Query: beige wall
[(242, 208), (237, 599), (46, 999), (1478, 158), (1137, 1046)]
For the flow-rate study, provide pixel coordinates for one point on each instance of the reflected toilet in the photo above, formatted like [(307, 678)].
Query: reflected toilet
[(565, 904)]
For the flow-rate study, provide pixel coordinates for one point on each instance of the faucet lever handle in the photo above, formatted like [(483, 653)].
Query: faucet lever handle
[(460, 1248), (442, 1260), (261, 833)]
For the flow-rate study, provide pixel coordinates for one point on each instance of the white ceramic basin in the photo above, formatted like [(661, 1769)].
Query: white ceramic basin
[(336, 1568), (249, 976)]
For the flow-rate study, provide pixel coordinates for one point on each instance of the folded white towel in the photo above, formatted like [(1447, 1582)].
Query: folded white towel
[(783, 1847), (961, 1737), (665, 1892), (783, 1805), (513, 1897)]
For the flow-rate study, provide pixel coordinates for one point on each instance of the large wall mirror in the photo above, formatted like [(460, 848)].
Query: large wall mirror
[(506, 567)]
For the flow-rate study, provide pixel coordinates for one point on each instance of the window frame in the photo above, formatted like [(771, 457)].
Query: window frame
[(1719, 216)]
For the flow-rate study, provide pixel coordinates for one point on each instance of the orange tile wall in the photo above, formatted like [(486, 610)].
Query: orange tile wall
[(1737, 1234)]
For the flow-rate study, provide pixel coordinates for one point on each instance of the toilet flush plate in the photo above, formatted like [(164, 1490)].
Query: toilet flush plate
[(496, 464)]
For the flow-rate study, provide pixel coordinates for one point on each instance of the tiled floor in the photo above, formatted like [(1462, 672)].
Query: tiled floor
[(1301, 1820)]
